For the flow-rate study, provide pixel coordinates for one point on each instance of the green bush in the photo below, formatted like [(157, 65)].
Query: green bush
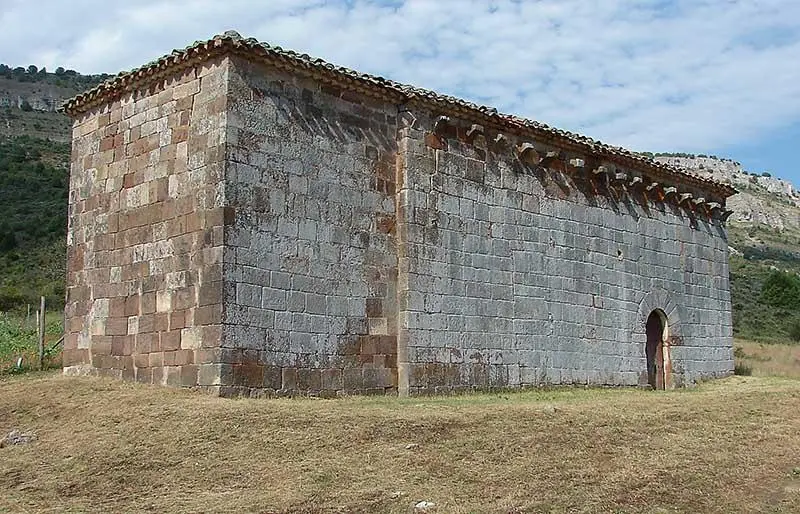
[(781, 290)]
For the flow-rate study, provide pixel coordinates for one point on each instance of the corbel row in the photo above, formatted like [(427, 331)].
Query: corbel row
[(608, 175)]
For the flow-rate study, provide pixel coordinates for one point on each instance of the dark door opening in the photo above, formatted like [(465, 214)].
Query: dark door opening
[(655, 350)]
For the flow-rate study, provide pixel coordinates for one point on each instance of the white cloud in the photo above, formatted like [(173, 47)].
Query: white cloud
[(688, 74)]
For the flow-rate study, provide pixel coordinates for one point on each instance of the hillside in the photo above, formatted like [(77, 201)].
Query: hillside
[(33, 220), (106, 446), (30, 97)]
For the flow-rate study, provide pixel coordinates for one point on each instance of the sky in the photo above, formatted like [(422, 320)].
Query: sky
[(717, 77)]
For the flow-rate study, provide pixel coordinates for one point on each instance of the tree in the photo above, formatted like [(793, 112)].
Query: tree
[(26, 106), (33, 70), (781, 289), (60, 70)]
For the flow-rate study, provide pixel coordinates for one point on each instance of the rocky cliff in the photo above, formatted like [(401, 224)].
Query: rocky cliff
[(762, 199)]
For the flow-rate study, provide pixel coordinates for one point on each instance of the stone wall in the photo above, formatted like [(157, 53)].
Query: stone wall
[(252, 231), (146, 231), (517, 276), (310, 259)]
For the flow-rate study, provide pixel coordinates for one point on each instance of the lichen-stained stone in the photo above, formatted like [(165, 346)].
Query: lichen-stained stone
[(251, 222)]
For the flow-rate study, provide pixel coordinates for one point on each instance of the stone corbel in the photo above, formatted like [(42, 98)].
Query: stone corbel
[(636, 183), (685, 198), (527, 153), (655, 191), (713, 210), (440, 125), (551, 157), (501, 141), (577, 163), (670, 193), (600, 171), (474, 131)]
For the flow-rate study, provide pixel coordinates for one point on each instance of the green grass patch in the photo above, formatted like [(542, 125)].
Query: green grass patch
[(18, 341)]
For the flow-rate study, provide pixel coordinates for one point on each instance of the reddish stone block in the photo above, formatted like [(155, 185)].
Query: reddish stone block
[(180, 134), (208, 315), (210, 294), (132, 305), (352, 379), (145, 343), (171, 358), (183, 298), (116, 326), (434, 141), (141, 360), (289, 379), (212, 336), (161, 322), (146, 323), (121, 345), (148, 303), (170, 341), (144, 375), (210, 356), (173, 375), (102, 345), (75, 357), (177, 319), (272, 377), (156, 359), (309, 379), (248, 374), (369, 345), (189, 374), (374, 307), (332, 379), (387, 345)]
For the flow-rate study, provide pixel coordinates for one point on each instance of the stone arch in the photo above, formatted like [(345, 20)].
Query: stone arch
[(671, 313), (660, 299)]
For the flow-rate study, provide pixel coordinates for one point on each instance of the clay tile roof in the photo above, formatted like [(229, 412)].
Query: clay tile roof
[(232, 42)]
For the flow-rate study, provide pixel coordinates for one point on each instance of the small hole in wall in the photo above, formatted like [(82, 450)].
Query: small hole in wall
[(619, 255)]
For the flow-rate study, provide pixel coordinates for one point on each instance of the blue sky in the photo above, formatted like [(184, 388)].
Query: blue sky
[(705, 76)]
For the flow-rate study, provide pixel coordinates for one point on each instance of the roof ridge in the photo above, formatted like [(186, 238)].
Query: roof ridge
[(125, 80)]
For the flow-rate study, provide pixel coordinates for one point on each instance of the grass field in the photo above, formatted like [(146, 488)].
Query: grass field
[(769, 360), (731, 445)]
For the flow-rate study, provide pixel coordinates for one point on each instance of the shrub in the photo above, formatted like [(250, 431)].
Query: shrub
[(781, 289), (742, 369)]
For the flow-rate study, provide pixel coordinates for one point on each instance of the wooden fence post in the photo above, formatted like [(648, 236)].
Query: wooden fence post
[(40, 330)]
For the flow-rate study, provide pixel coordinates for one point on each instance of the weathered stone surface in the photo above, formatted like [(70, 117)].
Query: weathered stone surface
[(144, 290), (256, 232)]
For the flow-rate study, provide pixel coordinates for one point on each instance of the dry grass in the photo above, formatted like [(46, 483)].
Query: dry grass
[(769, 360), (727, 446)]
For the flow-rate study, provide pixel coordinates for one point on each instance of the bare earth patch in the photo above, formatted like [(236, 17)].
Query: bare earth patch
[(726, 446)]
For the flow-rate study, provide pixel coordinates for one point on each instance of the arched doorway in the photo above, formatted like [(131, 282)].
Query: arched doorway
[(654, 351)]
